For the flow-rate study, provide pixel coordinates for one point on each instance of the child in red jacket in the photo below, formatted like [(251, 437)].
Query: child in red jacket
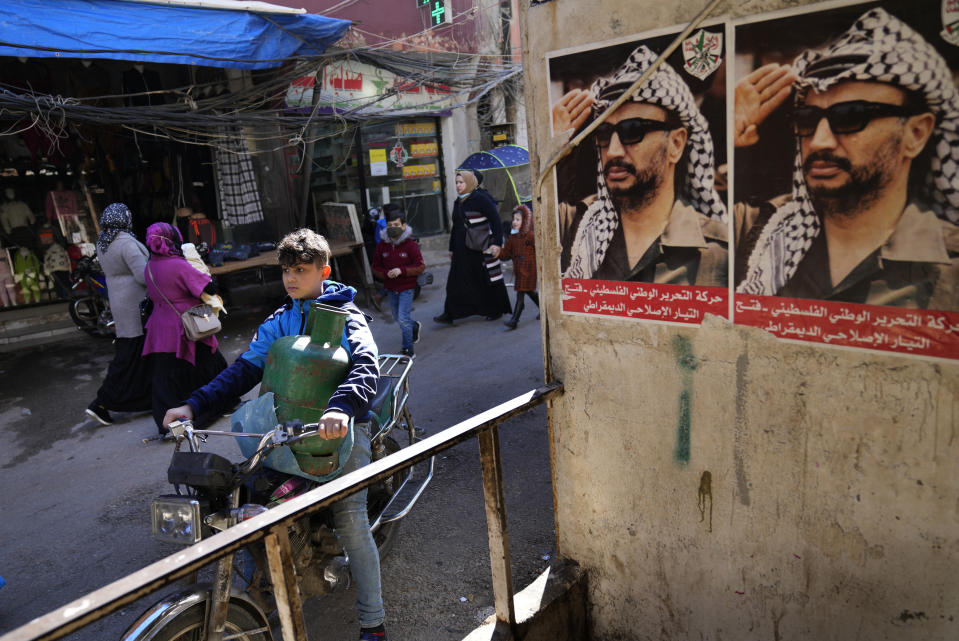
[(398, 261), (519, 246)]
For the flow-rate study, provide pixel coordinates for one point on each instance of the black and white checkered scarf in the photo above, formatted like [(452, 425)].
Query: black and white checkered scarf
[(666, 89), (892, 53)]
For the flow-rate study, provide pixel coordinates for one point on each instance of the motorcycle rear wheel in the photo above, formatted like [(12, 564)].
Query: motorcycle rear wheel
[(85, 314), (191, 625), (377, 497)]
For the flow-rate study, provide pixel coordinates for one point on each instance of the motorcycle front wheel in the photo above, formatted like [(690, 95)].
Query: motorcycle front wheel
[(191, 626)]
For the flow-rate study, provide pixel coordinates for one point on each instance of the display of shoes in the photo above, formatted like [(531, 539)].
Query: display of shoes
[(99, 413), (416, 331)]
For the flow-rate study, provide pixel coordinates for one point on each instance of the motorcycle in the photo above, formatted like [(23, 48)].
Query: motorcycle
[(89, 305), (220, 494)]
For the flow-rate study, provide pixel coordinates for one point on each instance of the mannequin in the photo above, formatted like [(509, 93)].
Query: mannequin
[(8, 288), (14, 213), (26, 272), (56, 265)]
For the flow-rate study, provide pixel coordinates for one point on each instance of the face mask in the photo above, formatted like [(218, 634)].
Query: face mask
[(514, 231), (394, 232)]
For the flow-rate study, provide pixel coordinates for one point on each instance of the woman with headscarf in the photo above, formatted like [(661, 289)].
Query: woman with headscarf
[(179, 364), (122, 257), (475, 282)]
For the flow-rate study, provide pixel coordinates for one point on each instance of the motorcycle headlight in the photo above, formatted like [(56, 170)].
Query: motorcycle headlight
[(178, 519)]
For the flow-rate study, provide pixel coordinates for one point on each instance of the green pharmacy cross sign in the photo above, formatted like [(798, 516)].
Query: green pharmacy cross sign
[(439, 10)]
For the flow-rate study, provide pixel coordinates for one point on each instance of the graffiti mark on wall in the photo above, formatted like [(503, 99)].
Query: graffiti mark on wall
[(683, 350)]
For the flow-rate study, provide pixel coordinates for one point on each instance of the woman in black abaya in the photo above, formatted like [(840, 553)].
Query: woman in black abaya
[(475, 282)]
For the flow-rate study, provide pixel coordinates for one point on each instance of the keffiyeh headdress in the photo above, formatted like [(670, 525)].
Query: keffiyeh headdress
[(877, 48), (666, 89), (115, 218)]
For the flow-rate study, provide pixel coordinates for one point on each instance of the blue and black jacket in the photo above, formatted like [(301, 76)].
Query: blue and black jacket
[(352, 397)]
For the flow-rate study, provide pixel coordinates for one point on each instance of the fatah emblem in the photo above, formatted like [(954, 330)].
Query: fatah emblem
[(950, 21), (703, 50)]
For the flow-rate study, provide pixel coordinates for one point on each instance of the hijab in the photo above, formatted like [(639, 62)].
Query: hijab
[(471, 183), (163, 239), (115, 218)]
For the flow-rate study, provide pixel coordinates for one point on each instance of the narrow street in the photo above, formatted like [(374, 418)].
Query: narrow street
[(76, 495)]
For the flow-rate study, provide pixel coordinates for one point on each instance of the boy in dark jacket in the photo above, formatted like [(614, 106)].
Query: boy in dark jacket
[(304, 257), (398, 262)]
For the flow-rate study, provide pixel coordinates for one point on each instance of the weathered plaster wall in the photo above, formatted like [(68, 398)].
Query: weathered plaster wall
[(820, 499)]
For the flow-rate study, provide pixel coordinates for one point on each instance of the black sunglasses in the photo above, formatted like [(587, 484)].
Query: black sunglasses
[(845, 117), (630, 131)]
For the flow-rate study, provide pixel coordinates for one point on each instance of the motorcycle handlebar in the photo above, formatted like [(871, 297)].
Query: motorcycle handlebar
[(282, 434)]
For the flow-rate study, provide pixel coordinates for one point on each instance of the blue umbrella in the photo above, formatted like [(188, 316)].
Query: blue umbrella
[(499, 158)]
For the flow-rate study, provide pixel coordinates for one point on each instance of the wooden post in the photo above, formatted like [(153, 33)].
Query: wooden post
[(285, 590), (496, 525)]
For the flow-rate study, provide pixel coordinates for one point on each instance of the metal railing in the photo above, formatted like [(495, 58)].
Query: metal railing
[(271, 528)]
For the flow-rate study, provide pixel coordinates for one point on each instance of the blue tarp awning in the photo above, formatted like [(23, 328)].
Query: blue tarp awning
[(177, 34)]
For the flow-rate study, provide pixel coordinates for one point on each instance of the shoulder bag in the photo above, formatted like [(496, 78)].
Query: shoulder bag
[(198, 322), (478, 232)]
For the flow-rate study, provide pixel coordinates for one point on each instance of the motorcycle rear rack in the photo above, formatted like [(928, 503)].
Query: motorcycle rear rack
[(405, 497), (394, 372)]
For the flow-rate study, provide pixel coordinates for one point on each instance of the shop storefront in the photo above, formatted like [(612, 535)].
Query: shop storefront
[(140, 103), (387, 147), (384, 162), (56, 177)]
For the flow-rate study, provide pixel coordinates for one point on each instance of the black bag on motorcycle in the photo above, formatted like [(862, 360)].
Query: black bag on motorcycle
[(201, 470)]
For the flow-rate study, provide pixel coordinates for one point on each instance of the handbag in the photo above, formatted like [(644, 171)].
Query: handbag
[(146, 308), (478, 232), (198, 322)]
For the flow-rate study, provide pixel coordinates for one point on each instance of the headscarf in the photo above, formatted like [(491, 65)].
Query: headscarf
[(470, 179), (877, 48), (666, 89), (115, 218), (163, 239)]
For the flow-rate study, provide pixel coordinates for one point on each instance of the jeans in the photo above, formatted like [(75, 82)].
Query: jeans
[(353, 531), (401, 304)]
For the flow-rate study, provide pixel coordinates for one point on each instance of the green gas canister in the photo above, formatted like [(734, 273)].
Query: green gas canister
[(303, 371)]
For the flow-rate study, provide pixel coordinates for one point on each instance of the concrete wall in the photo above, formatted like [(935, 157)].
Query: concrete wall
[(821, 495)]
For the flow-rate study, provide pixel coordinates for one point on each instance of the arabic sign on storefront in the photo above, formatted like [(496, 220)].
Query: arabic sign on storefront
[(349, 85)]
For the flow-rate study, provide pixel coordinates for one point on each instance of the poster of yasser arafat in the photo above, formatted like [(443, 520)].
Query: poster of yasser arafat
[(642, 212), (845, 131)]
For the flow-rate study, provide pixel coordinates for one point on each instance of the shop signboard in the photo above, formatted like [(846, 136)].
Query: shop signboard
[(348, 84)]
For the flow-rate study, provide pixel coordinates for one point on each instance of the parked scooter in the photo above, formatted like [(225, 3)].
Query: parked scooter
[(214, 494), (89, 305)]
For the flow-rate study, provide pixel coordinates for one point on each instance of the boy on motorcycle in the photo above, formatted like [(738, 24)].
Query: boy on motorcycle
[(304, 258)]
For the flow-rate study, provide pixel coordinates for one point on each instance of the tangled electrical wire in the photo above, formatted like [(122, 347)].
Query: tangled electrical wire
[(204, 114)]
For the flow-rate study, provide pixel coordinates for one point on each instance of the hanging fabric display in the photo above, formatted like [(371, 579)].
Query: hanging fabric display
[(236, 182)]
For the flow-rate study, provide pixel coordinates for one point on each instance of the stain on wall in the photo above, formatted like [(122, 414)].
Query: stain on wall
[(706, 498)]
